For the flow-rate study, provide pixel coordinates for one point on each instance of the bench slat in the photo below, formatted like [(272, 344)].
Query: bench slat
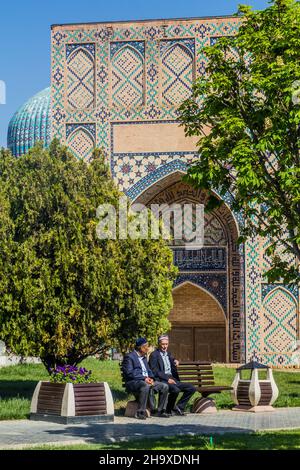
[(195, 373), (204, 368)]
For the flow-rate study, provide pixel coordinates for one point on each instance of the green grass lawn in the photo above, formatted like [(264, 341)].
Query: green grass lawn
[(18, 382), (281, 440)]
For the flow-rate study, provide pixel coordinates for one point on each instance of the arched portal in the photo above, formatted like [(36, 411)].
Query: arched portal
[(199, 325), (210, 280)]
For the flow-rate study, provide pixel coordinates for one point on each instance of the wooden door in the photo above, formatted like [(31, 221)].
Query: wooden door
[(182, 343), (194, 343), (210, 344)]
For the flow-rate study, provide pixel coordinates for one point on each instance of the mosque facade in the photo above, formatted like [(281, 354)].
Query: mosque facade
[(117, 86)]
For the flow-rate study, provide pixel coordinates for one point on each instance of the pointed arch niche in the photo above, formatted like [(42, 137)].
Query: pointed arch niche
[(208, 292), (81, 142), (127, 75), (203, 333), (177, 71), (279, 323), (80, 89)]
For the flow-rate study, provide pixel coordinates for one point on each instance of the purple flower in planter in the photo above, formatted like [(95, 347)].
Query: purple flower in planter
[(69, 373)]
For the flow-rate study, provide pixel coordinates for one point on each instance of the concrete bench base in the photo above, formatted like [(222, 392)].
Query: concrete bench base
[(254, 409), (204, 406), (131, 409)]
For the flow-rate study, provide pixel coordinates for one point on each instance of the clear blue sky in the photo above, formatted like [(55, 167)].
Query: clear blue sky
[(25, 35)]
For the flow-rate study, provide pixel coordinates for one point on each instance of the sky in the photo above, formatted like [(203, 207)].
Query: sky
[(25, 35)]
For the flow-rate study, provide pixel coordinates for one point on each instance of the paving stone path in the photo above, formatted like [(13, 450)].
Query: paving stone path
[(25, 433)]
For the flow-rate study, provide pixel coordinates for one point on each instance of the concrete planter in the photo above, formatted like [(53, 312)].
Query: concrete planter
[(72, 403), (254, 395)]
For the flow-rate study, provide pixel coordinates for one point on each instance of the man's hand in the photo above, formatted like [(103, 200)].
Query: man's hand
[(171, 381), (176, 362), (149, 381)]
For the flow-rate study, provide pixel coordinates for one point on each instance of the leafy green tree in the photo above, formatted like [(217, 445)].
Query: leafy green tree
[(246, 112), (65, 293)]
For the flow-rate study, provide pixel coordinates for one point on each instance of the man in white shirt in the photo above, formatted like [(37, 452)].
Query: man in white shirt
[(164, 368)]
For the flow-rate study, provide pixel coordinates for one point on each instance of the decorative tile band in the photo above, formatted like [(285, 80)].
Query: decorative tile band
[(206, 259)]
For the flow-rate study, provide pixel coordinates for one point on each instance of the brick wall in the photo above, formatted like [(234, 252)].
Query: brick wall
[(194, 305)]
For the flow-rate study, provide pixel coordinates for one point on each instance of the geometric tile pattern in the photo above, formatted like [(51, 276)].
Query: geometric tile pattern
[(127, 77), (91, 128), (80, 75), (139, 46), (104, 37), (253, 298), (177, 73), (280, 323), (271, 309), (81, 142), (130, 167), (267, 288)]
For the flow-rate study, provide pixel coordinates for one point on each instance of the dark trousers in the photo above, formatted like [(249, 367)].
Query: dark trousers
[(144, 394), (174, 390)]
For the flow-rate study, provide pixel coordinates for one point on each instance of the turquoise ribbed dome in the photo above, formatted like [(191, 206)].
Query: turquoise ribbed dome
[(30, 124)]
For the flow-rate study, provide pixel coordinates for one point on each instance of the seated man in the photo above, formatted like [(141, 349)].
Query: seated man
[(164, 368), (139, 380)]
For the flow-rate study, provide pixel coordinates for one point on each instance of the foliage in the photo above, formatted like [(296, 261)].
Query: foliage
[(246, 112), (71, 374), (65, 293)]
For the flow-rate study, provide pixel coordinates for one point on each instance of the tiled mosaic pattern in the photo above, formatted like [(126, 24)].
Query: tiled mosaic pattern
[(177, 69), (280, 325), (129, 167), (272, 310), (80, 75), (127, 64), (187, 40), (81, 140)]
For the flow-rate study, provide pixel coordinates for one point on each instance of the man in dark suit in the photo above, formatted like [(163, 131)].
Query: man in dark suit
[(139, 380), (164, 368)]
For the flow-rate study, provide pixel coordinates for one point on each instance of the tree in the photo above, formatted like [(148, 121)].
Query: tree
[(246, 112), (65, 293)]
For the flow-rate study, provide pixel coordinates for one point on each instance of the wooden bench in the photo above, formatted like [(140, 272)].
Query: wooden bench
[(201, 375)]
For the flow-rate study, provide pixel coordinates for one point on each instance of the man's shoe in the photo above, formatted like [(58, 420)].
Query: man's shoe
[(140, 415), (162, 414), (178, 411)]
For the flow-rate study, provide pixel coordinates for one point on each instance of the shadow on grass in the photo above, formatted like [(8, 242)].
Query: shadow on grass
[(17, 388)]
